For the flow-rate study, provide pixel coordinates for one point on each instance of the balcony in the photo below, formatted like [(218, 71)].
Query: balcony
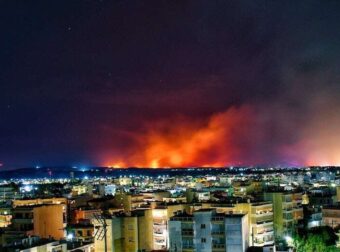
[(217, 219), (158, 233), (261, 214), (261, 243), (23, 221), (258, 243), (217, 232), (187, 233), (264, 234), (188, 246), (160, 241), (263, 223), (287, 210), (159, 222), (183, 219), (218, 246), (271, 242), (159, 226), (263, 210)]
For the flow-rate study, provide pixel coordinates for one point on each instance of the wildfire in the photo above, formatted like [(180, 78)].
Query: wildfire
[(247, 135), (182, 144), (115, 165)]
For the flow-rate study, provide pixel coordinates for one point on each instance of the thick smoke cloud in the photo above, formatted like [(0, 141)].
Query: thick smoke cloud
[(298, 123), (298, 130)]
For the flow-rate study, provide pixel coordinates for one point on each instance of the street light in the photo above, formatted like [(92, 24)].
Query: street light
[(69, 237)]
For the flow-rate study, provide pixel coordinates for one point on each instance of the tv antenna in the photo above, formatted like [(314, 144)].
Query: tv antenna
[(101, 229)]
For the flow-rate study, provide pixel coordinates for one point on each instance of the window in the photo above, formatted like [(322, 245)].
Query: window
[(203, 240), (202, 226)]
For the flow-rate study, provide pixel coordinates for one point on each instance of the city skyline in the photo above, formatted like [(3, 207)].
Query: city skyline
[(170, 126), (169, 83)]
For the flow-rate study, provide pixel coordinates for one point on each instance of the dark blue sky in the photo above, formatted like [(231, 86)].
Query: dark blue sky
[(80, 81)]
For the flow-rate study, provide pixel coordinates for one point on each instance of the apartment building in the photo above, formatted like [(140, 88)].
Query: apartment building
[(49, 221), (260, 219), (138, 230), (288, 211), (331, 216), (160, 218), (42, 217), (205, 230), (39, 201), (126, 233)]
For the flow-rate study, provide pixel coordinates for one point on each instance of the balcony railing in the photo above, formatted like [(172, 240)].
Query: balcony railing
[(287, 210), (262, 214), (218, 245), (22, 220), (159, 233), (160, 242), (188, 246), (265, 232), (159, 225), (260, 223), (187, 233), (217, 232), (269, 242), (182, 219)]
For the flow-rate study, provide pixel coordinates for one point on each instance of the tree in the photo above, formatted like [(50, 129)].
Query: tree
[(316, 240)]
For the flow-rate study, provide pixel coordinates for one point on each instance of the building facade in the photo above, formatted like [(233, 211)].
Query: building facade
[(288, 211), (205, 230)]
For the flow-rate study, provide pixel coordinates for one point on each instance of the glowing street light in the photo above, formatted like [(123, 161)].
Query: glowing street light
[(69, 237)]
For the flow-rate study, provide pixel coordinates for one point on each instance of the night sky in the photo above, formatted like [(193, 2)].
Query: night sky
[(169, 83)]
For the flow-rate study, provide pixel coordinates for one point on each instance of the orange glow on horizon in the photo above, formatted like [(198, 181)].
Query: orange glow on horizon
[(115, 165), (245, 135), (184, 144)]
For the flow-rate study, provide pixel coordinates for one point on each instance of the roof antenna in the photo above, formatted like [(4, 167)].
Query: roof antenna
[(101, 229)]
